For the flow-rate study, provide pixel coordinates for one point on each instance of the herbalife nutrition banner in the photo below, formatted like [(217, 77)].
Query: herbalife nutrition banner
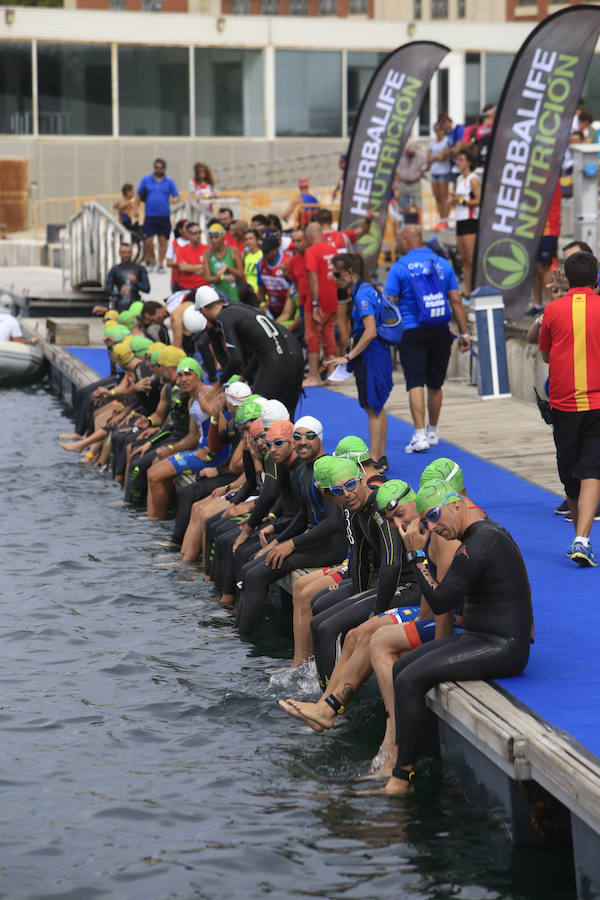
[(531, 133), (387, 113)]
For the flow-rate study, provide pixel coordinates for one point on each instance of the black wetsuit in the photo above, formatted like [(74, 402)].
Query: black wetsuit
[(176, 427), (263, 352), (319, 538), (377, 568), (489, 572)]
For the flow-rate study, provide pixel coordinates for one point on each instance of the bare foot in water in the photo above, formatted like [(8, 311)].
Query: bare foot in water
[(318, 715), (395, 787), (227, 600), (75, 446), (382, 764)]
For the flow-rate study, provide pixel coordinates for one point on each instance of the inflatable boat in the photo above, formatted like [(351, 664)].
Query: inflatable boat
[(20, 363)]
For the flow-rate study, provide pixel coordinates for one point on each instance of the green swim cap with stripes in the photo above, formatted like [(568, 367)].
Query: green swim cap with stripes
[(395, 489), (353, 447), (444, 469), (329, 470), (247, 411), (435, 493)]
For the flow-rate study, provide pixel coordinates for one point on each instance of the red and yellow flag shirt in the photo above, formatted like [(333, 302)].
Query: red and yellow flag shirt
[(570, 333)]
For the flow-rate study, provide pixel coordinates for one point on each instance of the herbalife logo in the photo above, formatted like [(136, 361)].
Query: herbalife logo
[(506, 264)]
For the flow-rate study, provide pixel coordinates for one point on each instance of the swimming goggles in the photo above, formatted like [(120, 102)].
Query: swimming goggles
[(309, 436), (259, 437), (434, 514), (338, 490), (393, 503), (278, 442)]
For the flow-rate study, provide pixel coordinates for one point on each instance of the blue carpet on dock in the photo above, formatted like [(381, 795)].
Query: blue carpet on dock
[(562, 681), (94, 357)]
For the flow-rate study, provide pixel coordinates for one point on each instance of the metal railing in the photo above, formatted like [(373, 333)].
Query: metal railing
[(94, 241)]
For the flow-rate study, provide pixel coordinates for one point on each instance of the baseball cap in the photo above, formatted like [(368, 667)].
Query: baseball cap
[(237, 392)]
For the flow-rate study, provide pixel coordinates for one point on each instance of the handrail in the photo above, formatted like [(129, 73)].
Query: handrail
[(94, 241)]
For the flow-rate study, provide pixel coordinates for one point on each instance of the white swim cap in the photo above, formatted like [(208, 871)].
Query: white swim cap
[(237, 391), (193, 320), (311, 424), (273, 411), (205, 295)]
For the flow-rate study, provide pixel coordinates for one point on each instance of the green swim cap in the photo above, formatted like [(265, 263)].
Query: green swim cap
[(154, 356), (233, 379), (136, 308), (330, 470), (188, 364), (127, 318), (353, 447), (434, 493), (444, 469), (247, 411), (139, 344), (395, 489), (116, 332)]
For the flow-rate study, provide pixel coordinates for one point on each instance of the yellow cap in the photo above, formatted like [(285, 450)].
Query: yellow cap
[(122, 353)]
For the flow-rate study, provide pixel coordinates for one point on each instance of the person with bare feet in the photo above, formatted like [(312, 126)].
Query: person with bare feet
[(488, 571)]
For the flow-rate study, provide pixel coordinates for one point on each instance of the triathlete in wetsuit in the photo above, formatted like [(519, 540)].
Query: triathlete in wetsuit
[(263, 352), (316, 537), (378, 568), (489, 572)]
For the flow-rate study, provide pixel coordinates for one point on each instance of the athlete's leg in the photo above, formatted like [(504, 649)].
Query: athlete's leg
[(160, 487), (304, 591)]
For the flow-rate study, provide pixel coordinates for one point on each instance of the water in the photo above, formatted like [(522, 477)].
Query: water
[(144, 755)]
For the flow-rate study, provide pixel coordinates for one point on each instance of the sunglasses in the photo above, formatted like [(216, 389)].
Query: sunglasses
[(278, 442), (346, 488), (215, 237), (396, 500), (193, 232), (309, 436), (434, 514)]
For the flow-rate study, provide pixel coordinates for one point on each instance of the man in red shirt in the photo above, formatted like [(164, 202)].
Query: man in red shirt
[(189, 260), (319, 314), (570, 343)]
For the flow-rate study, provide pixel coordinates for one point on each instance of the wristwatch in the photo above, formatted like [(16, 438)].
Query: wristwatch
[(415, 554)]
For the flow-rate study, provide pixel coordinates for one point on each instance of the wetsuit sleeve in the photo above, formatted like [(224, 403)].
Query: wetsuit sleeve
[(466, 568), (235, 357), (268, 497), (142, 280), (251, 369), (249, 486), (295, 527), (359, 564), (391, 550), (110, 281), (320, 533)]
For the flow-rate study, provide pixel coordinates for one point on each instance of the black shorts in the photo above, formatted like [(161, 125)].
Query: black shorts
[(160, 225), (424, 354), (577, 440), (359, 370), (547, 249), (466, 226)]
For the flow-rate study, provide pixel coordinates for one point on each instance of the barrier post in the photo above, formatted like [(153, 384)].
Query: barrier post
[(492, 366)]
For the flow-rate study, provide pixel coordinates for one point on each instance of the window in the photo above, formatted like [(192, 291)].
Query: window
[(358, 8), (153, 91), (269, 7), (461, 9), (417, 9), (424, 115), (439, 9), (358, 75), (298, 7), (328, 7), (229, 93), (15, 89), (240, 7), (497, 66), (74, 89), (308, 93), (473, 103)]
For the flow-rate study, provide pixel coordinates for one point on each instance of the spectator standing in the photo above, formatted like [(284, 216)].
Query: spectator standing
[(570, 343), (252, 256), (202, 188), (319, 315), (465, 199), (180, 240), (483, 135), (190, 259), (413, 163), (225, 217), (438, 161), (125, 280), (424, 284), (157, 191), (124, 206), (296, 268), (304, 205), (222, 264)]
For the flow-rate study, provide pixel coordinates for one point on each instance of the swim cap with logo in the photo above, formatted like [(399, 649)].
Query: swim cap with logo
[(170, 356), (446, 470), (395, 489), (311, 424), (188, 364), (336, 470), (433, 493), (273, 411), (247, 412), (281, 429), (256, 427), (139, 344), (353, 447), (321, 471)]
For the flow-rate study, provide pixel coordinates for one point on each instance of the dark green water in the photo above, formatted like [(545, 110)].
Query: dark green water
[(143, 752)]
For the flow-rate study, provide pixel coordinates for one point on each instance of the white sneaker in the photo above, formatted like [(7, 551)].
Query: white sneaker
[(417, 445), (433, 436)]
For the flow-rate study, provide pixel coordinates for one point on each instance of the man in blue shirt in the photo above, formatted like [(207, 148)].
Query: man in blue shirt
[(425, 345), (157, 192)]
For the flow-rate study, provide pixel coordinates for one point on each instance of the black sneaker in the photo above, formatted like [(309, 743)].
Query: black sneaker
[(381, 465), (569, 517), (563, 509)]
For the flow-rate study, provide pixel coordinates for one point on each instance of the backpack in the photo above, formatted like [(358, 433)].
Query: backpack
[(433, 306), (389, 325)]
